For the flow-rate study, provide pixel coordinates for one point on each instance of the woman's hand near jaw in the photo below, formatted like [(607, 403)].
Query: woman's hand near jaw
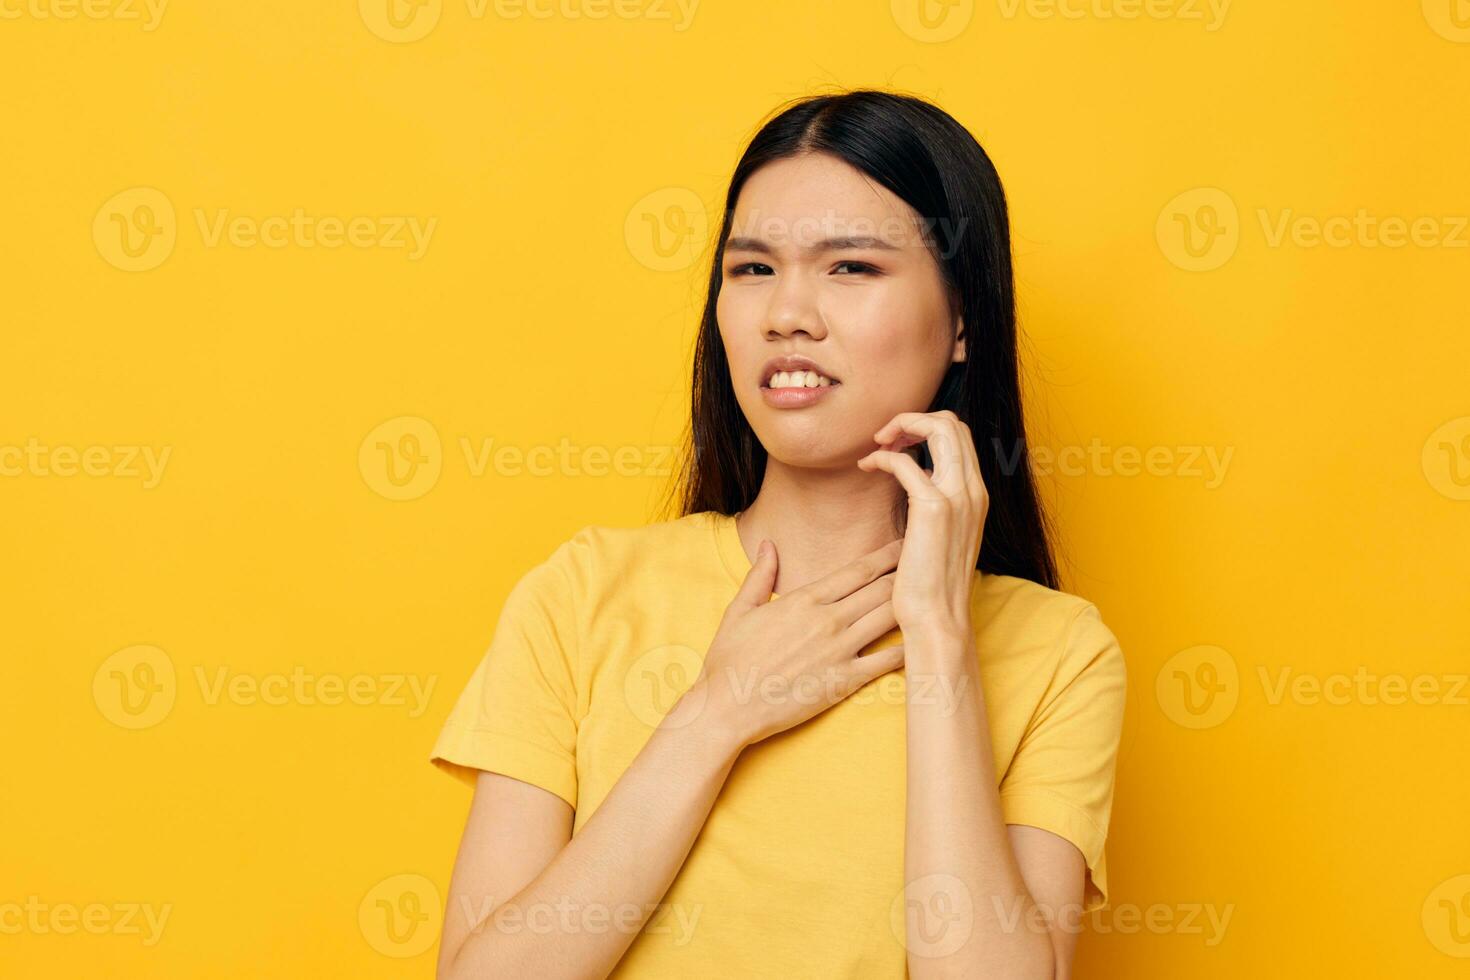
[(946, 518)]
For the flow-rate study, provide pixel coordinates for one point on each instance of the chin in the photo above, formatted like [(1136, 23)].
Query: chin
[(810, 448)]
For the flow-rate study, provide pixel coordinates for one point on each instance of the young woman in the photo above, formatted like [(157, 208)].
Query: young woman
[(698, 747)]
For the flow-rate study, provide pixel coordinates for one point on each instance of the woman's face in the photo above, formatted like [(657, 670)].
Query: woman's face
[(825, 264)]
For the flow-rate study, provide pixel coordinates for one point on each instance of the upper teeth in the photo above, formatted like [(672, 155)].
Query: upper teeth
[(799, 379)]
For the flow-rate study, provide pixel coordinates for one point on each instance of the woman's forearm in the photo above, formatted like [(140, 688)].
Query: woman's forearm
[(965, 886), (580, 914)]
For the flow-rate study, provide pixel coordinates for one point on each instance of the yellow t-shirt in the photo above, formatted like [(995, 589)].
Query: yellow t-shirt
[(799, 866)]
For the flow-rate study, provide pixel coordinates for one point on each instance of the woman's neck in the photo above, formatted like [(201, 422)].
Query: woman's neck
[(818, 519)]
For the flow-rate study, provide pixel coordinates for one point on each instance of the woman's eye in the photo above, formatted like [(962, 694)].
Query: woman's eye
[(749, 268), (857, 267)]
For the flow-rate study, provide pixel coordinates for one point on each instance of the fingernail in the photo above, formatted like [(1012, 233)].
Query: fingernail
[(761, 551)]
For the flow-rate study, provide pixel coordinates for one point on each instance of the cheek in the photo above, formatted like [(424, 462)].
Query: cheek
[(734, 318), (738, 325), (902, 343)]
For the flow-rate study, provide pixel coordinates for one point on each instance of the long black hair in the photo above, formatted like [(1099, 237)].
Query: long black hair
[(924, 156)]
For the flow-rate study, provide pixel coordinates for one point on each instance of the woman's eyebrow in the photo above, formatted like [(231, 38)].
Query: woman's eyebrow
[(826, 244)]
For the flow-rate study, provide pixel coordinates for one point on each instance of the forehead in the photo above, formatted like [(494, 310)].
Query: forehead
[(815, 196)]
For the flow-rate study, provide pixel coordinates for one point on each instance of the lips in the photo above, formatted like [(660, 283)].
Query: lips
[(793, 362)]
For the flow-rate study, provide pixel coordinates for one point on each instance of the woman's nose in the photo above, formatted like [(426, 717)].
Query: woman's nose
[(794, 309)]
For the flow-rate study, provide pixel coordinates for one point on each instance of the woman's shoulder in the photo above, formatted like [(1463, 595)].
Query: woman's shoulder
[(608, 552), (1012, 595), (1012, 613), (611, 540)]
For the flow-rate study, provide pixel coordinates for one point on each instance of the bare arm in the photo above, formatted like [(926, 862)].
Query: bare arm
[(980, 897), (993, 886), (568, 906), (529, 899)]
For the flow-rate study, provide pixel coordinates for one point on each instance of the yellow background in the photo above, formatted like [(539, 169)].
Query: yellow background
[(547, 150)]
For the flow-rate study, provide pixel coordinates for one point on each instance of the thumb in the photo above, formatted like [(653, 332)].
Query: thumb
[(761, 579)]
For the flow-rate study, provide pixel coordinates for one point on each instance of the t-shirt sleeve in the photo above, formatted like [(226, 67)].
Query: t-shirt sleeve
[(1061, 778), (517, 715)]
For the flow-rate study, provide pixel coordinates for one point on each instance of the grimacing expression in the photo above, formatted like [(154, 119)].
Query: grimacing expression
[(825, 263)]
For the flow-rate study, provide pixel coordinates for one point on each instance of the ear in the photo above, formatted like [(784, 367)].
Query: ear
[(958, 354)]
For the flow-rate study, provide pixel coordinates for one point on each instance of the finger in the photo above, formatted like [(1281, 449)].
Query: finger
[(876, 623), (908, 472), (907, 427), (969, 455), (854, 575), (865, 599), (950, 445), (760, 580), (871, 666)]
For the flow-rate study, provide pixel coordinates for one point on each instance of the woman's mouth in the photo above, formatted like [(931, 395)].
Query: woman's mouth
[(799, 379), (797, 389), (794, 381)]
